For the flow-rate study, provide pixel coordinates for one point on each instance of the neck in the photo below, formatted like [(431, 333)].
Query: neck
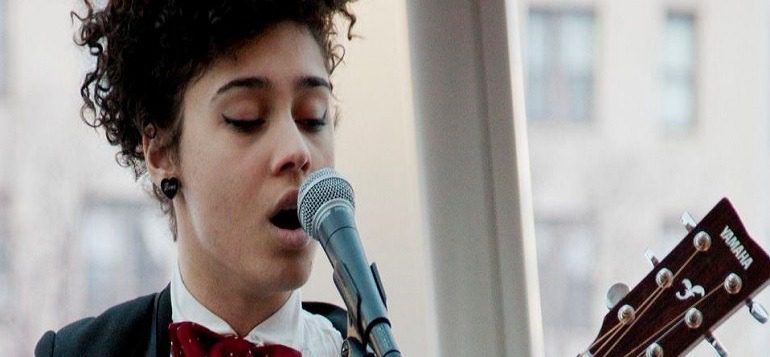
[(241, 307), (242, 303)]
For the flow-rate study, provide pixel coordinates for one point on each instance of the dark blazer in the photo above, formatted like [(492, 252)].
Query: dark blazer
[(139, 328)]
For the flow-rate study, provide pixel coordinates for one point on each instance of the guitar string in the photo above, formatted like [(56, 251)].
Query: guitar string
[(678, 319), (642, 306), (611, 333), (605, 335), (652, 296), (659, 291)]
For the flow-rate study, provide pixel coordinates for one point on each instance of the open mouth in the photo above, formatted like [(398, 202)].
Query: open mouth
[(286, 219)]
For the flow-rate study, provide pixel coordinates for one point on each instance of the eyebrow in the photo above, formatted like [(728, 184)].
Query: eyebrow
[(245, 82), (313, 82), (263, 83)]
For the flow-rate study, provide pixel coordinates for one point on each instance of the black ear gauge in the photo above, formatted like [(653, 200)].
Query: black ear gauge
[(169, 186)]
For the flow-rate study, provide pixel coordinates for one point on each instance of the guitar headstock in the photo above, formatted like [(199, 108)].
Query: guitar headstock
[(712, 272)]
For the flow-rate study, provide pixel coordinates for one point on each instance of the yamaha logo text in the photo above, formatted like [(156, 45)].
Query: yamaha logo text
[(735, 246)]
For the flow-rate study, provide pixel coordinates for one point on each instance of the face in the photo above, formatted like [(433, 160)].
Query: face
[(254, 125)]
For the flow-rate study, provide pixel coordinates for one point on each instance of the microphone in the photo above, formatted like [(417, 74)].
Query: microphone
[(326, 212)]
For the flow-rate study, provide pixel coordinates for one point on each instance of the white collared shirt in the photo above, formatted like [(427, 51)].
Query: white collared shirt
[(311, 334)]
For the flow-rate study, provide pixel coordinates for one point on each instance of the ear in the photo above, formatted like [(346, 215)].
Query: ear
[(157, 156)]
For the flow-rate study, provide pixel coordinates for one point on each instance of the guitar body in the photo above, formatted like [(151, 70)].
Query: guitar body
[(711, 273)]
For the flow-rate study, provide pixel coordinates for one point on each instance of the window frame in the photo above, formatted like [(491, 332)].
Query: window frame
[(556, 73), (691, 123)]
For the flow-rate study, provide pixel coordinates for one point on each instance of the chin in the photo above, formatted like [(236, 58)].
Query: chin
[(292, 280), (295, 273)]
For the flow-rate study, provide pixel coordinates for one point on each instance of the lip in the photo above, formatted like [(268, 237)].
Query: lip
[(289, 199), (291, 239), (295, 239)]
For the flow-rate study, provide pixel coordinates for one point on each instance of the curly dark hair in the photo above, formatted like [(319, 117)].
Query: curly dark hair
[(148, 51)]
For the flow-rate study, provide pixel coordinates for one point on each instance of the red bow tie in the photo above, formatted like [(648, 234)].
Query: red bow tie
[(193, 340)]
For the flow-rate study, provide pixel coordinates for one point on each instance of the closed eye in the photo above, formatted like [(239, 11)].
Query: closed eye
[(312, 125), (244, 125)]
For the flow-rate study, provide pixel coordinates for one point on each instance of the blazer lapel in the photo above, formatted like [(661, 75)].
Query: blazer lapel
[(159, 343)]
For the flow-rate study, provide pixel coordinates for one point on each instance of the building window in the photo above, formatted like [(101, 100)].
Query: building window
[(566, 255), (678, 72), (128, 252), (560, 58)]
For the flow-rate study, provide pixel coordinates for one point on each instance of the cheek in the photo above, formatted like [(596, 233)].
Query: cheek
[(207, 172), (226, 177), (324, 150), (224, 196)]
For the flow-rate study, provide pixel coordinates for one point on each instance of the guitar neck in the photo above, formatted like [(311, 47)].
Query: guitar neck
[(713, 271)]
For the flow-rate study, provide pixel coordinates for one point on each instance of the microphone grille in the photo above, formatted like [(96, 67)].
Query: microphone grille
[(318, 188)]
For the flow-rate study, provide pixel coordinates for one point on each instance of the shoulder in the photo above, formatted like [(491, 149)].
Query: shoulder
[(321, 338), (335, 315), (122, 328)]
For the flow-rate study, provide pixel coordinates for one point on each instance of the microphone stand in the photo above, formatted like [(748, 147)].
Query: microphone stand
[(352, 346), (366, 302), (328, 217), (380, 337)]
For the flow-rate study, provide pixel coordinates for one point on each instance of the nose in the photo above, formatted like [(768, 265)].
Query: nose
[(291, 151)]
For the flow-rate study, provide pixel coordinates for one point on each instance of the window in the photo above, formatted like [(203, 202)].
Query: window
[(566, 255), (128, 252), (560, 74), (678, 72)]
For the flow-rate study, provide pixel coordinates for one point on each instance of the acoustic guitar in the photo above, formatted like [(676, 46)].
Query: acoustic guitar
[(711, 273)]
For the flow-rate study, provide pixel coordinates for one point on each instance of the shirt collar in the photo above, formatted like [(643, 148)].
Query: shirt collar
[(283, 327)]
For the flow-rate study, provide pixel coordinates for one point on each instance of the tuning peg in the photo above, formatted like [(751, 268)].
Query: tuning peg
[(721, 351), (615, 293), (757, 311), (651, 257), (687, 220)]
